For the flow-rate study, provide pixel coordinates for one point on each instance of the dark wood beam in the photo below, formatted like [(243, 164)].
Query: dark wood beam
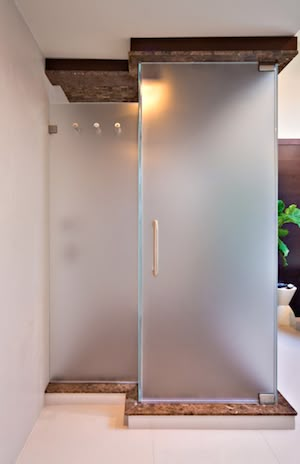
[(63, 64), (213, 43)]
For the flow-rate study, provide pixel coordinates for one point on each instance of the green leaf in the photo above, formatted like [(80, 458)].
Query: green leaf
[(294, 215), (282, 232), (281, 206), (289, 215), (283, 250), (290, 209)]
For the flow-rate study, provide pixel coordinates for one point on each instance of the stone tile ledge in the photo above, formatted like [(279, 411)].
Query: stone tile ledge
[(130, 389), (135, 408), (282, 408)]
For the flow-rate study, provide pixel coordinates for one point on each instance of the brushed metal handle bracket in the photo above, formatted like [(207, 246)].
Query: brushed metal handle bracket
[(155, 262)]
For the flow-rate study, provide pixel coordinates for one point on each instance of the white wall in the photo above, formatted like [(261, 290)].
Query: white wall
[(289, 100), (23, 232)]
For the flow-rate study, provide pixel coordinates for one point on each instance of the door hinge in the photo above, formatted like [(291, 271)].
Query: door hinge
[(266, 67), (266, 398)]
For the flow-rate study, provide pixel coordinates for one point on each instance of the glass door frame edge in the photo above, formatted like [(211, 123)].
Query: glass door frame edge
[(275, 329), (140, 240), (140, 222)]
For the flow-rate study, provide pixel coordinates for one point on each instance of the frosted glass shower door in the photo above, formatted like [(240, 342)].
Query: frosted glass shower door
[(93, 242), (207, 232)]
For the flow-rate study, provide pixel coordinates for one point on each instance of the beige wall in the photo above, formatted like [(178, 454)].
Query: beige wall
[(23, 229), (289, 100)]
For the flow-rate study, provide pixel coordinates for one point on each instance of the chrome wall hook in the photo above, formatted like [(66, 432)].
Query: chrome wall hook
[(76, 126), (118, 128), (97, 127)]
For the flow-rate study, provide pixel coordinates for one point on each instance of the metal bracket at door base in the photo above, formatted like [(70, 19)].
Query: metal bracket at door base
[(266, 398)]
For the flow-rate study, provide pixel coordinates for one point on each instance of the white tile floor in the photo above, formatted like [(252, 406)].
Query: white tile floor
[(93, 434)]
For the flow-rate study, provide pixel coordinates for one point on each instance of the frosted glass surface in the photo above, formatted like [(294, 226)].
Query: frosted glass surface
[(208, 172), (93, 245)]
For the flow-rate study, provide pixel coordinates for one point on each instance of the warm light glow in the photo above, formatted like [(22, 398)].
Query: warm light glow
[(154, 95)]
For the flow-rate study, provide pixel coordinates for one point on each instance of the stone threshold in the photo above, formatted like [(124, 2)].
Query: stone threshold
[(129, 389), (282, 408), (188, 415)]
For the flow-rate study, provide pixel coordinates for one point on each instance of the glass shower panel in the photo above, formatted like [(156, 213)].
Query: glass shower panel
[(207, 232), (93, 242)]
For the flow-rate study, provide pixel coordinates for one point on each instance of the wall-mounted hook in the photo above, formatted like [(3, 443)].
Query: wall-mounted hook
[(118, 128), (97, 126), (76, 126)]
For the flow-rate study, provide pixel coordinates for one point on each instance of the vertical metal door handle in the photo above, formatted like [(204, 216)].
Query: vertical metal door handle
[(155, 248)]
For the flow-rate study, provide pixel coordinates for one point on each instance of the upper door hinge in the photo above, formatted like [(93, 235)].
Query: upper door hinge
[(266, 67)]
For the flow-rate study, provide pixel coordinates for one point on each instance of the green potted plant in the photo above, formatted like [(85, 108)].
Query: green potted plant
[(285, 292)]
